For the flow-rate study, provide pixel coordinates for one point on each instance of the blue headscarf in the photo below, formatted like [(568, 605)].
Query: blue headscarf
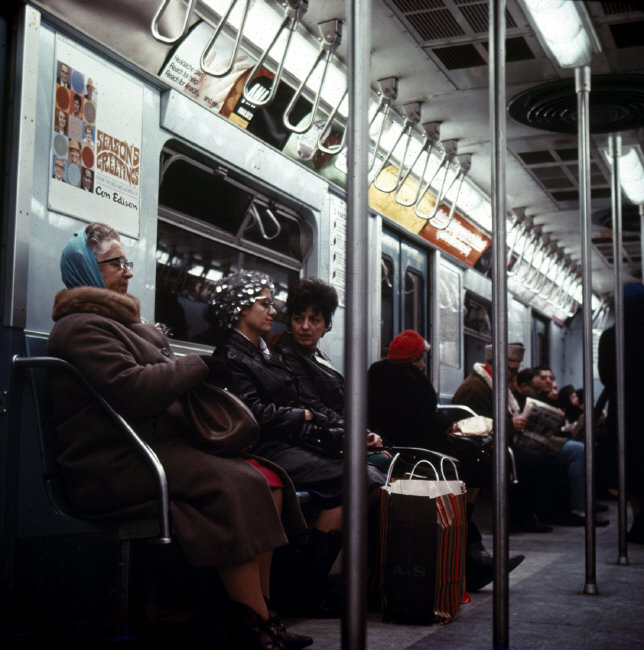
[(78, 264)]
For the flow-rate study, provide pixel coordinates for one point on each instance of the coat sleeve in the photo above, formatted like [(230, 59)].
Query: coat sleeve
[(277, 422), (305, 388), (113, 364)]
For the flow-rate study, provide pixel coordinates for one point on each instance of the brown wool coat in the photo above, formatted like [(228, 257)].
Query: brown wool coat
[(222, 509)]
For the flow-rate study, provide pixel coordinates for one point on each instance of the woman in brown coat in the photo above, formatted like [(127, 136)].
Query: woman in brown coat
[(226, 512)]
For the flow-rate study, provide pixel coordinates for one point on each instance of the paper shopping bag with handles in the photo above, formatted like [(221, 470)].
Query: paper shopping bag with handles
[(423, 528)]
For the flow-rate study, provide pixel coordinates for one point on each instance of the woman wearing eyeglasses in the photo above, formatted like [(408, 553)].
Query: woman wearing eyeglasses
[(300, 439), (227, 512)]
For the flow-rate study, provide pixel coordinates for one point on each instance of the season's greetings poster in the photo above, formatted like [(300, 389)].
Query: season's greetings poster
[(96, 141)]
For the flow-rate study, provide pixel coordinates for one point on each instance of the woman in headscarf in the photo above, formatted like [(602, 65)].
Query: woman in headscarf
[(228, 513), (302, 440)]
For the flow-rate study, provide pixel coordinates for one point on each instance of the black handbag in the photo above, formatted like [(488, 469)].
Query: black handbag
[(220, 420)]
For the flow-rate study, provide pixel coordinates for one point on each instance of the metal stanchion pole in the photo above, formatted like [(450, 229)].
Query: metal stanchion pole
[(499, 321), (615, 146), (355, 494), (582, 87)]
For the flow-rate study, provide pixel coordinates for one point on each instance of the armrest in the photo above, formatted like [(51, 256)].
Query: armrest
[(461, 407), (142, 448)]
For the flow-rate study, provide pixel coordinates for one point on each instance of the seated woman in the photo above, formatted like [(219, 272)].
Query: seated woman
[(310, 307), (244, 311), (402, 407), (225, 513)]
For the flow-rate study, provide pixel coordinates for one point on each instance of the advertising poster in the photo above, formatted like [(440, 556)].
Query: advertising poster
[(224, 95), (96, 141)]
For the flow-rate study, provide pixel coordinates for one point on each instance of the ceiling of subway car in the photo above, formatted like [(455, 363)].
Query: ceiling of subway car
[(438, 51)]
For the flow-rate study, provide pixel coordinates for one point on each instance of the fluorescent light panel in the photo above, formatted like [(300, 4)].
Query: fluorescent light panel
[(564, 29)]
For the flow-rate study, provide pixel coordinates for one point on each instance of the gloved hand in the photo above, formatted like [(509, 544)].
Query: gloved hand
[(325, 440), (219, 373)]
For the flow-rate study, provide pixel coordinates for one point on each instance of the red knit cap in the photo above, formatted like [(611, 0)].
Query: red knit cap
[(407, 346)]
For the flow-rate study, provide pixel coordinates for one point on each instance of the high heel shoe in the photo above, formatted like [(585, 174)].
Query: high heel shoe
[(479, 566), (291, 640), (246, 630)]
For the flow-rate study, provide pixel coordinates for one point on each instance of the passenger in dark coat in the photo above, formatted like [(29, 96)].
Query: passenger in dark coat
[(402, 408), (224, 513), (633, 391)]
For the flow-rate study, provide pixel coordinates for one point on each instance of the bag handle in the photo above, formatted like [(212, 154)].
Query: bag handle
[(391, 468), (453, 464), (426, 462)]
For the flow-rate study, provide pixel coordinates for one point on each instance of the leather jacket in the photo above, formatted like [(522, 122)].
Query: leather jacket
[(320, 386), (266, 385)]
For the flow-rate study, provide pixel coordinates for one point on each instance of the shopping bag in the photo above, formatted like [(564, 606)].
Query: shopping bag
[(423, 529)]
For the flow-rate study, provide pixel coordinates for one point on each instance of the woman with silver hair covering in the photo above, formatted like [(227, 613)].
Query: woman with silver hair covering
[(301, 440)]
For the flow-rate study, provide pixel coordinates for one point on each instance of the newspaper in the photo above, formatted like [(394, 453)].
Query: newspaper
[(542, 418)]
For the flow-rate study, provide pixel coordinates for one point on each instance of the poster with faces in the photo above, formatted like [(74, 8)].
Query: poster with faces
[(97, 115)]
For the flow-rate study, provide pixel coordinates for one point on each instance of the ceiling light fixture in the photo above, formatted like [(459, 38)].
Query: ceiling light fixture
[(564, 29), (631, 173)]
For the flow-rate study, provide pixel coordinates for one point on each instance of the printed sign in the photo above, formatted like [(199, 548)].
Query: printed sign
[(96, 141), (338, 246), (457, 237)]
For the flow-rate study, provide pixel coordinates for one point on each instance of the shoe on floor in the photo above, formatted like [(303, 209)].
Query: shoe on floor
[(530, 524), (479, 567), (600, 507), (575, 519)]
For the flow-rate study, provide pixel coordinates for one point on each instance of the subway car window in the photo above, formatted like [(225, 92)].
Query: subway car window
[(414, 301), (211, 225), (387, 304), (449, 297)]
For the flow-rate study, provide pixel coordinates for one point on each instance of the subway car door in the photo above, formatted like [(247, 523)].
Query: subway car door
[(404, 289)]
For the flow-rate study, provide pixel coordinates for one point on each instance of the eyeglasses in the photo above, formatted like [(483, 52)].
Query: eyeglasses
[(268, 305), (120, 262)]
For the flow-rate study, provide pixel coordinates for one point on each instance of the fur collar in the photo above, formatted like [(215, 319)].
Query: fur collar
[(123, 308), (513, 405)]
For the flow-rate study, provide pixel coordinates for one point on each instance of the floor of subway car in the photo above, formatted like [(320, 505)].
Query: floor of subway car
[(547, 607), (548, 610)]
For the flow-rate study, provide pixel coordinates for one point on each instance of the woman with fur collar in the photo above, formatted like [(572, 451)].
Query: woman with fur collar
[(225, 512)]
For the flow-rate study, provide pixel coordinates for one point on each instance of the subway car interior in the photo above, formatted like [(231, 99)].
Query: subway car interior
[(489, 192)]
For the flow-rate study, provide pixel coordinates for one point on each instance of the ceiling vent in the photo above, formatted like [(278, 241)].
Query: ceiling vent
[(612, 8), (459, 56), (628, 34)]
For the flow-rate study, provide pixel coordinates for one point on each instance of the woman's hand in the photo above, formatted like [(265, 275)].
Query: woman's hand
[(374, 440), (519, 423)]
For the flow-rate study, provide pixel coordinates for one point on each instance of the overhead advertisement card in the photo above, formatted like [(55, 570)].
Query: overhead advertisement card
[(95, 156)]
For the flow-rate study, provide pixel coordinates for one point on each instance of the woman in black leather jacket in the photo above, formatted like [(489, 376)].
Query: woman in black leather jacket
[(298, 438)]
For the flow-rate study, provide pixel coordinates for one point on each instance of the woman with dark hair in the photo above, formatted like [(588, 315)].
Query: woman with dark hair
[(310, 307), (306, 442), (568, 402), (228, 513)]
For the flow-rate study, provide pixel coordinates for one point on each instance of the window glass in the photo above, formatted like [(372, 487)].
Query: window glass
[(386, 304), (449, 297), (414, 301), (188, 264)]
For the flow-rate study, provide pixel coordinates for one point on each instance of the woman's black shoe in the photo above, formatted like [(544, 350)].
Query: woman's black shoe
[(530, 524), (247, 631), (291, 640), (479, 567)]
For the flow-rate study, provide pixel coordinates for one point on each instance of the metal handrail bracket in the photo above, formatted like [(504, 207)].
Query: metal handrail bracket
[(231, 62), (331, 36), (158, 17), (295, 9)]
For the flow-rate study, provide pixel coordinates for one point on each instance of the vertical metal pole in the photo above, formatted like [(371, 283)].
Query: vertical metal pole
[(435, 315), (499, 322), (615, 148), (355, 493), (582, 87)]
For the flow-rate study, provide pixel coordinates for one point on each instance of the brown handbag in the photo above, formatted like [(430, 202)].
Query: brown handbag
[(221, 421)]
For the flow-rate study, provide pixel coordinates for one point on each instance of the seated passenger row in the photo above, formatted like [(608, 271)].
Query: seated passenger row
[(232, 513)]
